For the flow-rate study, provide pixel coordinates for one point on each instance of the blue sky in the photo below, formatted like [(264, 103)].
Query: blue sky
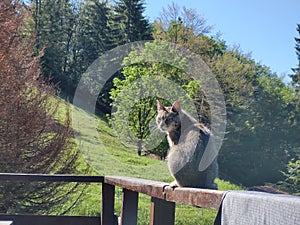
[(266, 28)]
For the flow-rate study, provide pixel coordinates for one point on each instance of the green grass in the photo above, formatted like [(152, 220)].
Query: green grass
[(107, 155), (103, 151)]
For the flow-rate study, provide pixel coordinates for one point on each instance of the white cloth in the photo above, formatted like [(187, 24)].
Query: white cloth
[(258, 208)]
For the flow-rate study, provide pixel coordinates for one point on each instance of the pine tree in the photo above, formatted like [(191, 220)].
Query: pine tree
[(296, 76), (92, 33), (54, 26), (92, 38), (132, 25)]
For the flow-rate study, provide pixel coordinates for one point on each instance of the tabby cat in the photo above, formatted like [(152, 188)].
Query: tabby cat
[(187, 141)]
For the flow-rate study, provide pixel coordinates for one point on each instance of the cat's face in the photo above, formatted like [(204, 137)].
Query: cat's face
[(168, 118)]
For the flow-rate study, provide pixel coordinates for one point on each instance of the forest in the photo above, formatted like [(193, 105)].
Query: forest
[(60, 39)]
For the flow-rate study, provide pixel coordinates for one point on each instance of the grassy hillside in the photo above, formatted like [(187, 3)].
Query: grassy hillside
[(108, 156)]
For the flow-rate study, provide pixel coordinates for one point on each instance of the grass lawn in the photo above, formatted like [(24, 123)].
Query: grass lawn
[(108, 156)]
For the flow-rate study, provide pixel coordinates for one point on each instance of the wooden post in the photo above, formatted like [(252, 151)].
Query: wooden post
[(108, 204), (129, 207), (162, 212)]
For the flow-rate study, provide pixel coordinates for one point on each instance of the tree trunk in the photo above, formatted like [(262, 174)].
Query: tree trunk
[(140, 147)]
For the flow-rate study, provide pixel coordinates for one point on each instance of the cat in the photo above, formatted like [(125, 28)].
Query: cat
[(187, 141)]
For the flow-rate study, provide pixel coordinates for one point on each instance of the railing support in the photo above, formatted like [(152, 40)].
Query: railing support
[(129, 207), (162, 212), (108, 204)]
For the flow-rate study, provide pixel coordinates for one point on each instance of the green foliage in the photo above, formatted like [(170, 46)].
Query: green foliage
[(261, 109), (54, 26), (292, 177), (296, 76), (148, 74), (262, 112), (260, 133), (92, 35), (132, 24), (73, 34)]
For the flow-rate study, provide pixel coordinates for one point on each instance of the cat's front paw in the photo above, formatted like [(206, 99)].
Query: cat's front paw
[(215, 186), (212, 186), (174, 184)]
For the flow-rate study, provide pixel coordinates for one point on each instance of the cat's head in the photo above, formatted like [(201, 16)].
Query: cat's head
[(168, 118)]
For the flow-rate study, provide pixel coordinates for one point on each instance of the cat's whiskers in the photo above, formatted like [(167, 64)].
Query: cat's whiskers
[(153, 127)]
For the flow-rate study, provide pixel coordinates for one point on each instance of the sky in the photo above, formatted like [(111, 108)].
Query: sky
[(264, 28)]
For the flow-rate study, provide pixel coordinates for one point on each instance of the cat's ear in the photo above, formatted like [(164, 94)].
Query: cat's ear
[(160, 106), (176, 107)]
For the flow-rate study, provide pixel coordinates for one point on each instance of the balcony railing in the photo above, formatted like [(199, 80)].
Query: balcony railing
[(163, 199), (236, 206)]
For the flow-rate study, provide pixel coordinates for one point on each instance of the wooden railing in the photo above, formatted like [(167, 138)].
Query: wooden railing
[(163, 200)]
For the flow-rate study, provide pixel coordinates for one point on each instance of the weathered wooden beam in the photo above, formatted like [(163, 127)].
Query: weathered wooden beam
[(149, 187), (204, 198), (50, 178), (162, 212), (129, 207), (108, 204)]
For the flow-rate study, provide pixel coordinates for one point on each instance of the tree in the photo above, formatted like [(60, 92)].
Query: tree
[(92, 33), (91, 38), (54, 25), (296, 76), (126, 24), (261, 110), (135, 95), (259, 142), (180, 25), (33, 137), (292, 181), (132, 25)]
